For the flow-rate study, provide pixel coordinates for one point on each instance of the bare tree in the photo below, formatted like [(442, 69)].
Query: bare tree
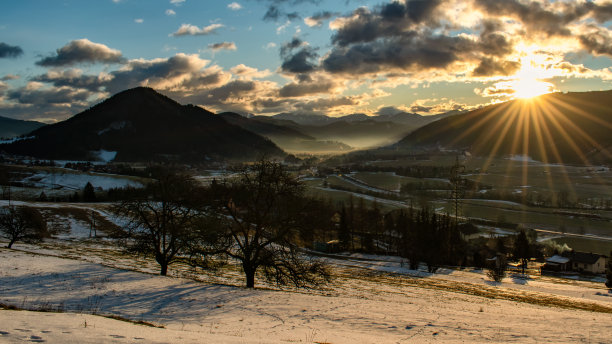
[(261, 214), (160, 222), (22, 223)]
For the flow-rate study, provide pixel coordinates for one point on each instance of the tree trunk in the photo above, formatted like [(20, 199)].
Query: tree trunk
[(249, 273), (164, 269), (10, 244)]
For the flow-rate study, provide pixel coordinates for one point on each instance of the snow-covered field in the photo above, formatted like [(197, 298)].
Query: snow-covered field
[(77, 180), (373, 299)]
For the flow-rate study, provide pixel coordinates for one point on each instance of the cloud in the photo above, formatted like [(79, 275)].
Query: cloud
[(170, 12), (548, 18), (276, 9), (177, 2), (34, 94), (10, 77), (598, 42), (242, 70), (82, 51), (298, 57), (138, 20), (492, 67), (192, 30), (317, 19), (74, 78), (10, 51), (222, 46), (234, 6), (408, 53), (307, 87)]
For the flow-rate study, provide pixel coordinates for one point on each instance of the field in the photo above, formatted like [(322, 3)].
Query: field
[(590, 187), (90, 289)]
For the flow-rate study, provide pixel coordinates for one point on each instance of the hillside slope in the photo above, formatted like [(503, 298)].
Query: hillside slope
[(10, 127), (142, 125), (571, 127)]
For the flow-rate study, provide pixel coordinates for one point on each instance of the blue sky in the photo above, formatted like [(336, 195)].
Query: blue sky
[(330, 57)]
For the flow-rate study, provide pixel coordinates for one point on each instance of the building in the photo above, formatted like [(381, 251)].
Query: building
[(557, 263), (578, 262), (587, 262)]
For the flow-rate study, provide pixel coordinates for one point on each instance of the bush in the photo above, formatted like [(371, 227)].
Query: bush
[(497, 269)]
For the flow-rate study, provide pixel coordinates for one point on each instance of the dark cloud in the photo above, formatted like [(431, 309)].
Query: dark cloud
[(72, 78), (420, 108), (493, 41), (233, 89), (276, 9), (301, 61), (10, 51), (82, 51), (492, 67), (50, 96), (222, 46), (391, 20), (550, 20), (306, 88), (598, 43), (410, 52), (324, 104)]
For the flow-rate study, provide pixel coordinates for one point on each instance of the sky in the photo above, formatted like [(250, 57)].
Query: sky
[(328, 57)]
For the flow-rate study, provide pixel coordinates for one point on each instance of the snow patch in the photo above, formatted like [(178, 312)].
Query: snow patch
[(104, 155)]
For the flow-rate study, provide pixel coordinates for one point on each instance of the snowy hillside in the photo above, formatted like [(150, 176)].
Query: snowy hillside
[(373, 299)]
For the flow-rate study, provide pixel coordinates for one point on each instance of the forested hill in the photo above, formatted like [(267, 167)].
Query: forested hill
[(140, 124), (13, 127), (557, 127)]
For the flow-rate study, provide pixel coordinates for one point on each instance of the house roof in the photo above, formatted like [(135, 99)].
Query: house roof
[(557, 259), (583, 257)]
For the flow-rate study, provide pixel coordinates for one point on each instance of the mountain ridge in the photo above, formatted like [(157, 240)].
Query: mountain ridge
[(141, 124)]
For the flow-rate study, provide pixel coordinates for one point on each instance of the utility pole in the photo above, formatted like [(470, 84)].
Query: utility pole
[(92, 228), (458, 186)]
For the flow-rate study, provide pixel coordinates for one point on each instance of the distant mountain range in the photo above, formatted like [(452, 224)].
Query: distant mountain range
[(142, 125), (286, 134), (339, 134), (414, 120), (557, 127), (10, 128)]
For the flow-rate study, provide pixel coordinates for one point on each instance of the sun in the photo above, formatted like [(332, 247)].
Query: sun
[(527, 83), (530, 87)]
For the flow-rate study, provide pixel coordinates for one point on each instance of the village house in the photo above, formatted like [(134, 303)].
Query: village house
[(577, 261)]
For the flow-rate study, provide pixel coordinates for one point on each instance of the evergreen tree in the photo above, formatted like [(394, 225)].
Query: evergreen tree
[(344, 233), (522, 250), (89, 194)]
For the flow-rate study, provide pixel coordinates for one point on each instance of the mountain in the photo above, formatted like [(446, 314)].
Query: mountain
[(558, 127), (10, 128), (263, 128), (412, 119), (360, 134), (140, 124), (285, 134)]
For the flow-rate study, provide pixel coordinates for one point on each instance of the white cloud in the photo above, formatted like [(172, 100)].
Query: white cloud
[(234, 6), (138, 20), (283, 27), (177, 2), (192, 30), (170, 12), (270, 45)]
